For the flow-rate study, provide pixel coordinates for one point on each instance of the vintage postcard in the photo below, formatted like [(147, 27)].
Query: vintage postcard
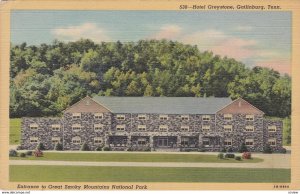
[(146, 95)]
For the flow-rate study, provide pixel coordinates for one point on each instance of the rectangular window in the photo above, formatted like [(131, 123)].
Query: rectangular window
[(33, 126), (272, 142), (141, 141), (163, 117), (76, 140), (142, 127), (76, 115), (272, 128), (227, 117), (34, 139), (142, 117), (184, 128), (206, 118), (249, 117), (184, 117), (121, 117), (98, 127), (97, 140), (55, 127), (249, 128), (98, 116), (227, 128), (76, 127), (163, 128), (205, 128), (249, 142), (120, 127), (185, 141), (205, 142), (55, 140), (228, 142)]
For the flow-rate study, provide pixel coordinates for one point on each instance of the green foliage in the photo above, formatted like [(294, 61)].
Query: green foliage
[(23, 155), (48, 78), (238, 158), (58, 147), (40, 146), (267, 149), (220, 156), (85, 147), (13, 153), (29, 153), (287, 131), (243, 148), (106, 149), (99, 148), (229, 155)]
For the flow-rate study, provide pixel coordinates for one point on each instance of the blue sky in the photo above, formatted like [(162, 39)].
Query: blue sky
[(255, 38)]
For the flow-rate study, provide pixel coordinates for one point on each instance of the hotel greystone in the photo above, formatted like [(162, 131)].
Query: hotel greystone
[(158, 123)]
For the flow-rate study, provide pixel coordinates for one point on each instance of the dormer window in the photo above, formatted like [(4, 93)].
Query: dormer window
[(76, 115), (98, 116), (206, 118)]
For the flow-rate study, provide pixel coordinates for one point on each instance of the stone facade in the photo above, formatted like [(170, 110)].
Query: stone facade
[(122, 131)]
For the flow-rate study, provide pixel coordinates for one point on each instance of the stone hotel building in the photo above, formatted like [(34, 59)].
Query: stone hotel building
[(159, 123)]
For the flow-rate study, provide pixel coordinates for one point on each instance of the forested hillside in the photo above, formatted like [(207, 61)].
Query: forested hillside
[(47, 78)]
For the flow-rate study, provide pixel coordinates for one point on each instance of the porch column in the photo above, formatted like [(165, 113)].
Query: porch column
[(106, 140), (200, 143), (178, 144), (128, 141), (151, 141)]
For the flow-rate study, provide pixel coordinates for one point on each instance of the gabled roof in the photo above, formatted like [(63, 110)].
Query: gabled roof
[(163, 105), (86, 104), (240, 106)]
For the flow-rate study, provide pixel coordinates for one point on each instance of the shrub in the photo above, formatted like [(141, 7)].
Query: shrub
[(99, 148), (147, 149), (106, 149), (58, 147), (38, 153), (238, 158), (13, 153), (282, 150), (40, 146), (130, 149), (19, 147), (229, 155), (230, 149), (22, 155), (201, 150), (223, 150), (246, 155), (29, 153), (220, 156), (243, 148), (267, 149), (85, 147)]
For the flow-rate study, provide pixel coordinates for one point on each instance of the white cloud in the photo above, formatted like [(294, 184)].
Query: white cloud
[(86, 30), (168, 32)]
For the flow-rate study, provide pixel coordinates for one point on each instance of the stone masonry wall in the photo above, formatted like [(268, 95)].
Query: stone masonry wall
[(44, 133), (273, 135)]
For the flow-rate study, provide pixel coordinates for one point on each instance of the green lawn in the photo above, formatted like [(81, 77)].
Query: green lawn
[(145, 174), (134, 157), (14, 131)]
